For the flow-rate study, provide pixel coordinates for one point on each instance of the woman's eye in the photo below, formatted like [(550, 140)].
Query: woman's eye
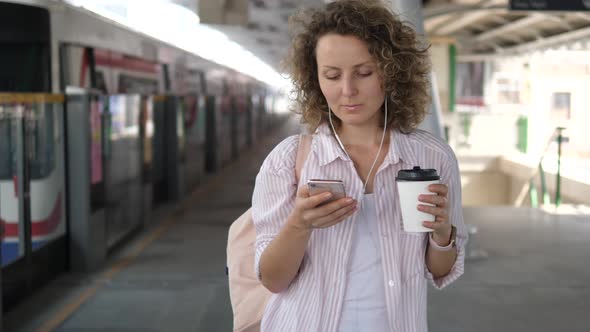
[(365, 74), (333, 77)]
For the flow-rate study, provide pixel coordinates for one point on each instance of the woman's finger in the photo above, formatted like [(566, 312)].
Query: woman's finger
[(315, 200), (438, 200), (303, 191), (329, 208), (437, 224), (433, 210), (439, 188), (336, 215), (429, 224), (338, 220)]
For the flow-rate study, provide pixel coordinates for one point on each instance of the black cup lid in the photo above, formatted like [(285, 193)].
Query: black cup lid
[(417, 174)]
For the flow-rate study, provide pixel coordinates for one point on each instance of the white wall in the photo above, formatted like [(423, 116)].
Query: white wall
[(495, 180), (439, 55)]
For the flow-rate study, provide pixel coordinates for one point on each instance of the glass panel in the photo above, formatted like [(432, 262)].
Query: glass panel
[(194, 147), (148, 135), (241, 104), (44, 134), (123, 164), (201, 114), (254, 116), (223, 129), (180, 109), (158, 149), (95, 141), (191, 121), (12, 247), (97, 150)]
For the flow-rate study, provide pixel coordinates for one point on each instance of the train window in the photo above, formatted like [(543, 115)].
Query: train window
[(42, 143), (7, 147), (132, 84), (24, 67), (101, 83), (24, 48)]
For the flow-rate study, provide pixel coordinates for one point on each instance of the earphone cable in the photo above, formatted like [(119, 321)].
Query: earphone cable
[(380, 145)]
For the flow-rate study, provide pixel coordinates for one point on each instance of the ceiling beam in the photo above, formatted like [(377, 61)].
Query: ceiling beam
[(583, 16), (442, 40), (431, 24), (559, 20), (457, 9), (521, 24), (536, 33), (549, 41), (513, 38), (497, 47), (477, 57), (499, 19), (455, 23)]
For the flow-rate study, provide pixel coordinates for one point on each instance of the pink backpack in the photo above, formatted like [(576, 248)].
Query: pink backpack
[(248, 296)]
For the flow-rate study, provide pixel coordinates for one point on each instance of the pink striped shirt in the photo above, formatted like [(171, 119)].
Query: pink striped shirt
[(314, 299)]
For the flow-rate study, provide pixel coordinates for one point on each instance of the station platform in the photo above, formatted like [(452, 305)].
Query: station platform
[(171, 277)]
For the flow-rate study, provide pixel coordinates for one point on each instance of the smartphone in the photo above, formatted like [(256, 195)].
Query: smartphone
[(336, 187)]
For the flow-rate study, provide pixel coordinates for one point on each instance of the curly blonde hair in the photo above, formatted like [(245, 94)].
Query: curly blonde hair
[(401, 58)]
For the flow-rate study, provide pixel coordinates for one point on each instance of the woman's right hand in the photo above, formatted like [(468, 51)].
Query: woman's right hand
[(309, 213)]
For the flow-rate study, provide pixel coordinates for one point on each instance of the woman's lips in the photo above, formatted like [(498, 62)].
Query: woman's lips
[(352, 107)]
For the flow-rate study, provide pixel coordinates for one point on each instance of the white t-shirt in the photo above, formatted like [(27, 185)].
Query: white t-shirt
[(364, 307)]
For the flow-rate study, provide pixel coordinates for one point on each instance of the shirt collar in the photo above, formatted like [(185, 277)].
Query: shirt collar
[(326, 141), (400, 147)]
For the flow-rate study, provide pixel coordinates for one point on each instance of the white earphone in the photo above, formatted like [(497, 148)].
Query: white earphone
[(380, 145)]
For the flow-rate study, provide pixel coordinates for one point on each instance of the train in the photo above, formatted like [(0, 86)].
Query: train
[(51, 47)]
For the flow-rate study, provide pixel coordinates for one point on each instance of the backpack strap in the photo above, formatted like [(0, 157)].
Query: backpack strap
[(302, 152)]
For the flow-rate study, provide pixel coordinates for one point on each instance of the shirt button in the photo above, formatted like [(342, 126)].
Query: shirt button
[(390, 283)]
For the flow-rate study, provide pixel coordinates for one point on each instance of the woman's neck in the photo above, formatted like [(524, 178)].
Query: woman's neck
[(363, 137)]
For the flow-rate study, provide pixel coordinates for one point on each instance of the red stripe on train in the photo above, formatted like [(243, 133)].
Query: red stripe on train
[(39, 228), (112, 59)]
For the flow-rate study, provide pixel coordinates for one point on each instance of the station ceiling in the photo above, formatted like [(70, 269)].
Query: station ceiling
[(479, 28)]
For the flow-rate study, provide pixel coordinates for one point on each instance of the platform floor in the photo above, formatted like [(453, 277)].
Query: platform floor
[(171, 277)]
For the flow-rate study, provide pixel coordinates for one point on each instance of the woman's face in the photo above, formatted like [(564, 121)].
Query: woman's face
[(349, 79)]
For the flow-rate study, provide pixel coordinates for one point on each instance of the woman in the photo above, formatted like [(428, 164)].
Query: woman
[(361, 82)]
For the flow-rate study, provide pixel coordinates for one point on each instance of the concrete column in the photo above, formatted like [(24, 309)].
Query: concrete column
[(411, 11)]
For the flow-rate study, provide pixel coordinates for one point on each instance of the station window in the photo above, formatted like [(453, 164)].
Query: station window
[(560, 106), (508, 90)]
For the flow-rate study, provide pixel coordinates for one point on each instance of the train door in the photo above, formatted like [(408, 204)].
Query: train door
[(123, 165), (32, 193)]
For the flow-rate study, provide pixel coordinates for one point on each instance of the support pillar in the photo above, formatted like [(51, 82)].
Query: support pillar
[(411, 11)]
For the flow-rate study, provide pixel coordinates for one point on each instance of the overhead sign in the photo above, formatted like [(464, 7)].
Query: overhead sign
[(550, 5)]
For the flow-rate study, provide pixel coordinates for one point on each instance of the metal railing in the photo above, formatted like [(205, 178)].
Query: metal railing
[(557, 134)]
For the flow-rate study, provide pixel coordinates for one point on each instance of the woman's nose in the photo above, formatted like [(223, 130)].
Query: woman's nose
[(349, 87)]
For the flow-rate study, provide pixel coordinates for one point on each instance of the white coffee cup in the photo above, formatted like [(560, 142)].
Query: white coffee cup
[(412, 183)]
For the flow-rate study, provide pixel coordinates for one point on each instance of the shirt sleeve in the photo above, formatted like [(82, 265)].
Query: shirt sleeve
[(274, 195), (452, 178)]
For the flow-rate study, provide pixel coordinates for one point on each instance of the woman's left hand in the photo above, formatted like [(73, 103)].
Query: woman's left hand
[(441, 224)]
